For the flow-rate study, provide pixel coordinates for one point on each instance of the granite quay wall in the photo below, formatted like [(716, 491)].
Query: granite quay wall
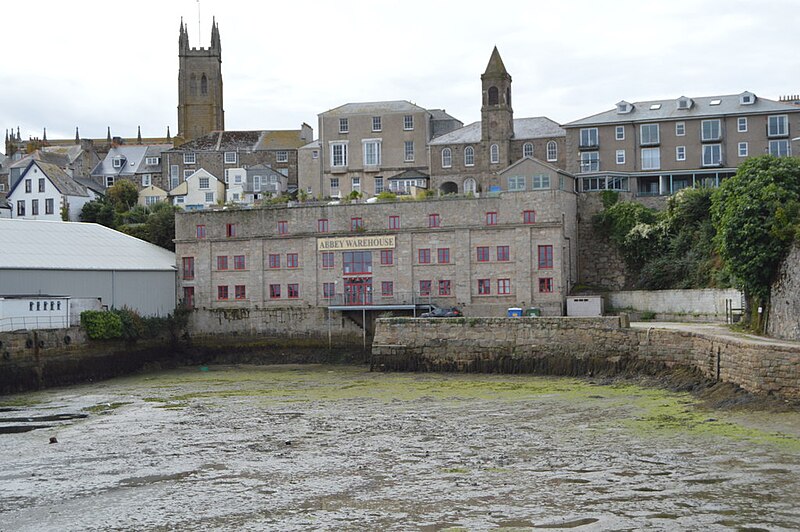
[(581, 346), (784, 313), (702, 305)]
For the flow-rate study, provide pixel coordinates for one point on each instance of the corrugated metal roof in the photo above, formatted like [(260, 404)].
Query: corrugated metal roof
[(365, 108), (524, 128), (47, 245), (655, 110)]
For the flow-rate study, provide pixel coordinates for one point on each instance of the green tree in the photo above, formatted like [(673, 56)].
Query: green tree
[(161, 225), (123, 195), (99, 211), (755, 214)]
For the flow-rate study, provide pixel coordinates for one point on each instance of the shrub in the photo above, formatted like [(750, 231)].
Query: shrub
[(101, 325)]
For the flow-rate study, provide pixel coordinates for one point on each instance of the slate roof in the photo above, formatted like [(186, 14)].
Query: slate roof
[(371, 108), (288, 139), (441, 114), (524, 128), (50, 245), (410, 174), (59, 159), (60, 179), (656, 110)]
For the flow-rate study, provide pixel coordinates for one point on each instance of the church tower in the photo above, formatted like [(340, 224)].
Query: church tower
[(497, 116), (199, 86)]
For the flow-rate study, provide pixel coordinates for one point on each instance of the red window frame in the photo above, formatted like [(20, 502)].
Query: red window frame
[(546, 257), (483, 253), (322, 225), (394, 222), (503, 253), (546, 285), (283, 227), (327, 260), (387, 257), (484, 287), (434, 220), (222, 292), (238, 262), (230, 230), (443, 255), (293, 290), (328, 290), (240, 292), (387, 288), (292, 260), (528, 217), (491, 218), (188, 268), (200, 231), (444, 287), (503, 287), (356, 262), (222, 262), (356, 223), (274, 291), (425, 287), (188, 296), (424, 256), (274, 260)]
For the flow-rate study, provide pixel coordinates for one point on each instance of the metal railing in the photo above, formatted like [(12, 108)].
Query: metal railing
[(405, 298), (33, 322)]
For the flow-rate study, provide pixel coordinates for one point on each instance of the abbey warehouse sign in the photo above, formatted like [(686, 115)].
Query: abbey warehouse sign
[(355, 242)]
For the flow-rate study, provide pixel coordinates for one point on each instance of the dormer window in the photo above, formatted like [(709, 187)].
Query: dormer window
[(684, 103), (117, 162), (747, 98), (624, 107), (152, 161)]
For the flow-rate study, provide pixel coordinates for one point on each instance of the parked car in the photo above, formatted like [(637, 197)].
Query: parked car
[(442, 312)]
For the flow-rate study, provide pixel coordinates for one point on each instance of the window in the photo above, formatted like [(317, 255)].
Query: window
[(151, 200), (188, 158), (372, 152), (408, 151), (394, 222), (387, 288), (283, 227), (484, 287), (494, 154), (491, 218), (209, 197), (188, 267), (344, 125), (188, 297), (274, 291), (230, 230), (443, 255), (291, 260), (552, 151), (469, 156), (230, 157), (222, 293), (20, 207), (356, 224), (328, 290), (327, 260), (34, 207), (424, 255), (588, 138), (516, 183), (356, 262), (779, 148), (408, 122), (545, 257), (590, 161), (680, 129), (651, 158), (274, 260), (434, 220), (546, 285), (322, 225), (222, 262), (376, 123), (355, 184), (777, 126), (540, 182), (483, 254), (619, 133), (146, 181), (186, 174), (338, 156), (649, 134), (741, 124), (712, 154), (334, 183), (680, 153), (425, 287), (378, 185), (116, 162), (710, 130), (504, 286), (41, 184), (28, 186), (238, 262), (282, 156), (528, 217), (387, 257), (620, 156), (293, 290), (315, 154), (49, 207), (447, 158), (240, 292), (503, 253), (742, 149), (444, 287), (152, 161), (527, 150)]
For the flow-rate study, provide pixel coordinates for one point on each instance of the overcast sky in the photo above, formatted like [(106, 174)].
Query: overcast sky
[(94, 64)]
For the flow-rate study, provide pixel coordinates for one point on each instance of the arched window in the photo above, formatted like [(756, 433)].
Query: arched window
[(494, 97), (527, 150), (470, 187), (204, 85), (552, 151), (469, 156), (494, 154), (193, 85), (508, 96), (447, 158)]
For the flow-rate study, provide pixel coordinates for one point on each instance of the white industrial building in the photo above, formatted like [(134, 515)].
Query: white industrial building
[(92, 265)]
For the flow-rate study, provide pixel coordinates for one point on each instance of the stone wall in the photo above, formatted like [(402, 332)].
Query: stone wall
[(706, 304), (599, 263), (581, 346), (784, 314)]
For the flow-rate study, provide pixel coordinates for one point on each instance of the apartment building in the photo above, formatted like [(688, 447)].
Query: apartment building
[(658, 147)]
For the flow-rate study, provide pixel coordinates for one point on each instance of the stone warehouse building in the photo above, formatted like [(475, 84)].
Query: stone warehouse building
[(482, 254)]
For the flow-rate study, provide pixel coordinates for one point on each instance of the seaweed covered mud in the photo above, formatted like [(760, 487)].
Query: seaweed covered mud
[(337, 447)]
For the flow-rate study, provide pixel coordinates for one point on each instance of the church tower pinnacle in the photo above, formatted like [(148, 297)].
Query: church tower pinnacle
[(497, 115)]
